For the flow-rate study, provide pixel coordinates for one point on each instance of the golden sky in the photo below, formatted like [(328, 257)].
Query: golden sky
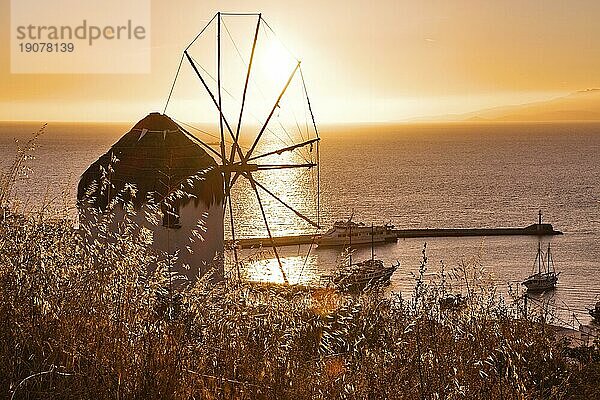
[(363, 60)]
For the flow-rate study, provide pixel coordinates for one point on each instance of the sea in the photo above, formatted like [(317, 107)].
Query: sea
[(442, 175)]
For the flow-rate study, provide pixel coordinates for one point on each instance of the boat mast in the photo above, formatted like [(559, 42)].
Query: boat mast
[(350, 246), (372, 254), (550, 259), (539, 257)]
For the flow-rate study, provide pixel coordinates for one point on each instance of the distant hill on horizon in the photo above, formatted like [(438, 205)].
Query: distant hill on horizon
[(583, 105)]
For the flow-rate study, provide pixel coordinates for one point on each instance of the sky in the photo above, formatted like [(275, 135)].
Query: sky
[(377, 61)]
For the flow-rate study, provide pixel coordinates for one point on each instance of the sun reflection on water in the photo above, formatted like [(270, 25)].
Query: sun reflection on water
[(299, 270), (297, 187)]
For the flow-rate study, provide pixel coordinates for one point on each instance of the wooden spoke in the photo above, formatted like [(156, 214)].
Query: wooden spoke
[(299, 214), (200, 142), (262, 210), (290, 148), (266, 167), (201, 32), (239, 124), (262, 130), (220, 106), (284, 166), (212, 96)]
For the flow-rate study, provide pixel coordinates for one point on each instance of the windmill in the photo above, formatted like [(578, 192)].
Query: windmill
[(267, 140)]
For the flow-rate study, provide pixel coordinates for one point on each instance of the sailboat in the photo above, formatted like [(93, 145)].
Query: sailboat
[(595, 311), (365, 274), (546, 277)]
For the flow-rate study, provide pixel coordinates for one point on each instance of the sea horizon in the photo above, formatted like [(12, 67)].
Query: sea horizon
[(469, 175)]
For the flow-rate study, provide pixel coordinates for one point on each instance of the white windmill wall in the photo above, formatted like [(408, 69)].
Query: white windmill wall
[(206, 248), (159, 160), (206, 252)]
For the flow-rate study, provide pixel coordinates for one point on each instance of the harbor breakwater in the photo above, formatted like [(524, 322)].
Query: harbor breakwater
[(531, 230)]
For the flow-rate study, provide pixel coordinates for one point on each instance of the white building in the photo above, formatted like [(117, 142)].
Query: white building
[(171, 171)]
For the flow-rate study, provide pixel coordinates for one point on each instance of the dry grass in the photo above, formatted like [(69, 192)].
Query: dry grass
[(84, 319)]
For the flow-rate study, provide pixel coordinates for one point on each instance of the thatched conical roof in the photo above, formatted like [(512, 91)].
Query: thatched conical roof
[(156, 157)]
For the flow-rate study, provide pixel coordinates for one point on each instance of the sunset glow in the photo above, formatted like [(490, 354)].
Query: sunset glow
[(338, 199), (392, 61)]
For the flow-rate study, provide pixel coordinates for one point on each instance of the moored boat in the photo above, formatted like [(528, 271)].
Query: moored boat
[(364, 275), (452, 301), (345, 232), (546, 276), (595, 312)]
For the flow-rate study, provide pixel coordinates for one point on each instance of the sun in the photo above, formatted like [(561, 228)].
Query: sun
[(276, 61)]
